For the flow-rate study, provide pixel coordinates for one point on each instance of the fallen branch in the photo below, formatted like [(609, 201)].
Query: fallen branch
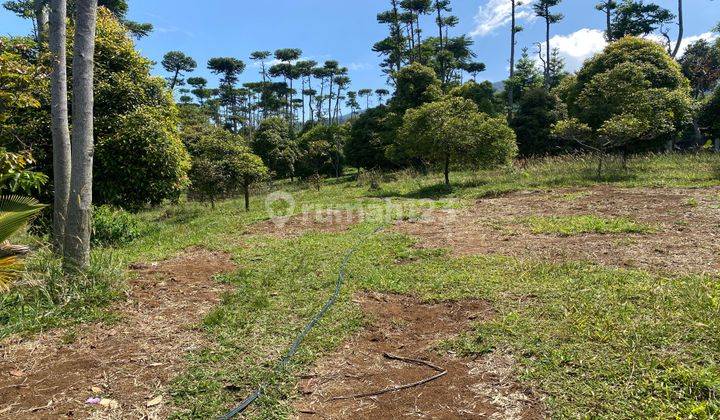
[(442, 372)]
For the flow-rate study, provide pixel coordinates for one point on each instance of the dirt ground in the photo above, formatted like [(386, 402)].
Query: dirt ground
[(404, 327), (686, 240), (329, 221), (128, 364)]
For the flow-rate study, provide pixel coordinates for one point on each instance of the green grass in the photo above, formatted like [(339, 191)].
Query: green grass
[(577, 225), (597, 341)]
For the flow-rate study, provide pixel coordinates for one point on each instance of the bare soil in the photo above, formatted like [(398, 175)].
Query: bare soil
[(329, 221), (406, 327), (686, 240), (128, 363)]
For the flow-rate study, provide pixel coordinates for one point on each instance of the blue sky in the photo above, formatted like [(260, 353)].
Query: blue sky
[(346, 29)]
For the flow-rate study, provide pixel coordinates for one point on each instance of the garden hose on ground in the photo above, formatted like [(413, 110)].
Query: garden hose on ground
[(296, 344)]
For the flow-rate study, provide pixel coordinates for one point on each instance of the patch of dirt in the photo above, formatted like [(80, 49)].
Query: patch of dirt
[(687, 239), (329, 221), (128, 363), (405, 327)]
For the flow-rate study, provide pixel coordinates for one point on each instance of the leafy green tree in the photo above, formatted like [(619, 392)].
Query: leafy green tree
[(230, 69), (367, 94), (631, 97), (392, 47), (636, 18), (482, 94), (453, 131), (222, 165), (272, 142), (369, 137), (701, 65), (381, 93), (709, 120), (526, 76), (176, 63), (199, 89), (322, 150), (538, 111), (415, 85)]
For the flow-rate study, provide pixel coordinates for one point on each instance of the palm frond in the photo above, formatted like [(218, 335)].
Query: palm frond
[(9, 267), (15, 212)]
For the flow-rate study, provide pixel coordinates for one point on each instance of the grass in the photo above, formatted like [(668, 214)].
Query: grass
[(614, 343), (577, 225)]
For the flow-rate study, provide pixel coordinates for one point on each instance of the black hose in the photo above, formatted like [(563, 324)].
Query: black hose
[(298, 340)]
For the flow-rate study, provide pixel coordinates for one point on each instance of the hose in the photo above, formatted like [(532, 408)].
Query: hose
[(299, 339)]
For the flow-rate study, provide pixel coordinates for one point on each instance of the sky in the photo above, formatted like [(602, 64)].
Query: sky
[(345, 30)]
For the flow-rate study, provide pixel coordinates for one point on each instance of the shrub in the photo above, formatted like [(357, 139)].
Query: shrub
[(369, 136), (483, 94), (415, 85), (112, 226), (710, 117), (273, 144), (322, 151), (143, 162), (222, 165), (538, 111), (632, 97), (452, 130)]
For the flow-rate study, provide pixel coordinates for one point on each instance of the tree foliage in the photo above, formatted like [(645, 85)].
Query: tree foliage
[(222, 165), (272, 142), (369, 137), (538, 111), (453, 131)]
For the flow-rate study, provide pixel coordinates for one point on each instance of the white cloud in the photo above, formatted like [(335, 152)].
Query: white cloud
[(359, 66), (708, 36), (584, 43), (497, 13), (578, 46)]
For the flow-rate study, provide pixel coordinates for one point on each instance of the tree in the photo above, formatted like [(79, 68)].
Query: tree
[(701, 65), (200, 90), (230, 69), (176, 62), (79, 214), (482, 94), (60, 124), (556, 68), (381, 93), (261, 57), (365, 93), (222, 164), (538, 111), (452, 130), (681, 29), (514, 30), (415, 85), (607, 7), (635, 18), (542, 9), (631, 97), (392, 47), (709, 121), (322, 150), (525, 77), (272, 142), (369, 137)]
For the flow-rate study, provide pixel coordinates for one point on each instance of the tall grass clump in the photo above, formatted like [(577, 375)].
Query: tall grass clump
[(44, 298)]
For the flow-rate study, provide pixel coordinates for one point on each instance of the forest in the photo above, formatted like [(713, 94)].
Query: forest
[(437, 246)]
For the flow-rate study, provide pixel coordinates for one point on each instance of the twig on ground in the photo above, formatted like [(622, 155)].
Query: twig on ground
[(442, 372)]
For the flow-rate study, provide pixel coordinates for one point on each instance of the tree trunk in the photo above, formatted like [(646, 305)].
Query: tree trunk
[(447, 171), (246, 190), (59, 114), (608, 33), (77, 233), (681, 29), (547, 50), (511, 91), (41, 20), (174, 80)]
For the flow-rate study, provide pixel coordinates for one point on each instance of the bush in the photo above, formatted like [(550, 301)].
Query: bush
[(112, 226), (222, 165), (483, 94), (322, 151), (452, 130), (143, 162), (369, 136), (273, 144), (710, 117), (632, 97), (538, 111)]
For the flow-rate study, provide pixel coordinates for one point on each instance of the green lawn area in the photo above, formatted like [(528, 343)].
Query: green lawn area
[(597, 341), (576, 225)]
